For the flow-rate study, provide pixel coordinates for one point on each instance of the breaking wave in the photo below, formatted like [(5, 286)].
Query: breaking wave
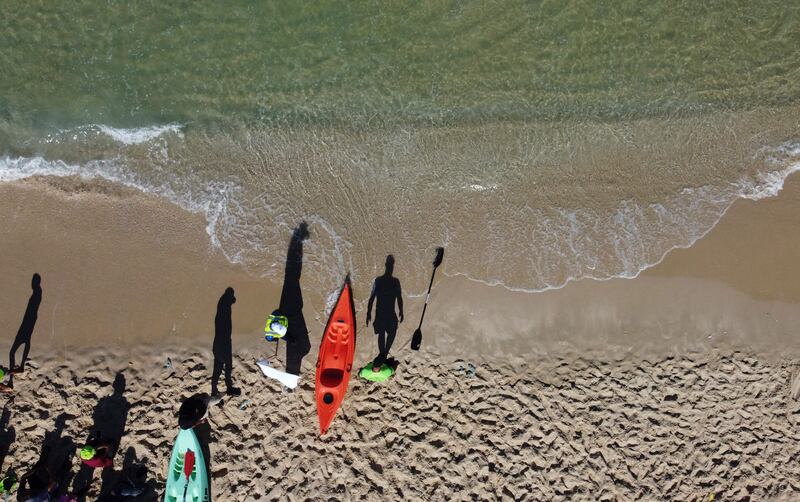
[(543, 248)]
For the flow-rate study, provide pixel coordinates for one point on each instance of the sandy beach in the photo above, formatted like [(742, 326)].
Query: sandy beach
[(736, 287), (674, 385), (675, 428), (615, 187)]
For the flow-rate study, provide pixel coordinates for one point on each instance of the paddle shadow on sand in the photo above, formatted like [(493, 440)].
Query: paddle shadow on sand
[(25, 331), (291, 304), (109, 417)]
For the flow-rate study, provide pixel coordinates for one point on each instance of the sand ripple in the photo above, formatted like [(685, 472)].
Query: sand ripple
[(671, 428)]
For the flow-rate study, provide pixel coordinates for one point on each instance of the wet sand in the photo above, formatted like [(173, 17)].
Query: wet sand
[(739, 286), (118, 268), (121, 268)]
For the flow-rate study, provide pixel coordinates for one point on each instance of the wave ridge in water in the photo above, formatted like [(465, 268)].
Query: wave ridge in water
[(549, 247), (123, 136)]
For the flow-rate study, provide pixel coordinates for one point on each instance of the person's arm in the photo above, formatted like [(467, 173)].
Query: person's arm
[(400, 300), (371, 301)]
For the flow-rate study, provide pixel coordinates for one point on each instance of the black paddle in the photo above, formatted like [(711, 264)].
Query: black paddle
[(416, 339)]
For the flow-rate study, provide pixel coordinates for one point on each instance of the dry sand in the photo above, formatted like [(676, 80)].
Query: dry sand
[(677, 428)]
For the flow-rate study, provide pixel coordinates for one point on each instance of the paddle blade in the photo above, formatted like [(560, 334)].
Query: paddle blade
[(416, 340), (439, 257), (188, 464)]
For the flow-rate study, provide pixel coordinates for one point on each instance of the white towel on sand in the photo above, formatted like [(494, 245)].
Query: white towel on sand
[(286, 379)]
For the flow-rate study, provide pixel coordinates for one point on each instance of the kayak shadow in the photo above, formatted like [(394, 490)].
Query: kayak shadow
[(203, 433), (298, 344)]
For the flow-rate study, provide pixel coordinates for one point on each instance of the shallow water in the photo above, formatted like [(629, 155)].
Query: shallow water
[(539, 142)]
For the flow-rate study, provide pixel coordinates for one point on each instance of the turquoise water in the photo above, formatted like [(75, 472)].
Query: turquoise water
[(542, 142)]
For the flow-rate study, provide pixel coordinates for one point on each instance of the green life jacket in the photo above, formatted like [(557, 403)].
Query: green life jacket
[(276, 327), (384, 374)]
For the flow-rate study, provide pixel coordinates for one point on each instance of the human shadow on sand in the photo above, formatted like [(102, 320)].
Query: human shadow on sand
[(387, 291), (7, 436), (54, 445), (53, 465), (25, 331), (291, 304), (132, 481), (109, 418), (223, 344)]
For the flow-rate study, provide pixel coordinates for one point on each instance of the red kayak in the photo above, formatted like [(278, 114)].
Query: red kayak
[(335, 360)]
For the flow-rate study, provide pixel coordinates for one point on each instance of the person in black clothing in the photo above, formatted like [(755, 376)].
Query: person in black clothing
[(223, 350), (386, 289), (26, 328), (291, 305)]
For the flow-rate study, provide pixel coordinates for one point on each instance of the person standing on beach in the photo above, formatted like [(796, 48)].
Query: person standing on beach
[(26, 329), (386, 289), (223, 346)]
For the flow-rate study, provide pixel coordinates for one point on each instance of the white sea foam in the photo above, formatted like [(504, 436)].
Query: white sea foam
[(558, 247), (213, 201), (232, 227), (683, 220), (769, 183), (123, 136), (140, 135), (475, 187)]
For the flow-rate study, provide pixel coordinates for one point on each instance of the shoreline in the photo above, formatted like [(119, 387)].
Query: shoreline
[(78, 235)]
